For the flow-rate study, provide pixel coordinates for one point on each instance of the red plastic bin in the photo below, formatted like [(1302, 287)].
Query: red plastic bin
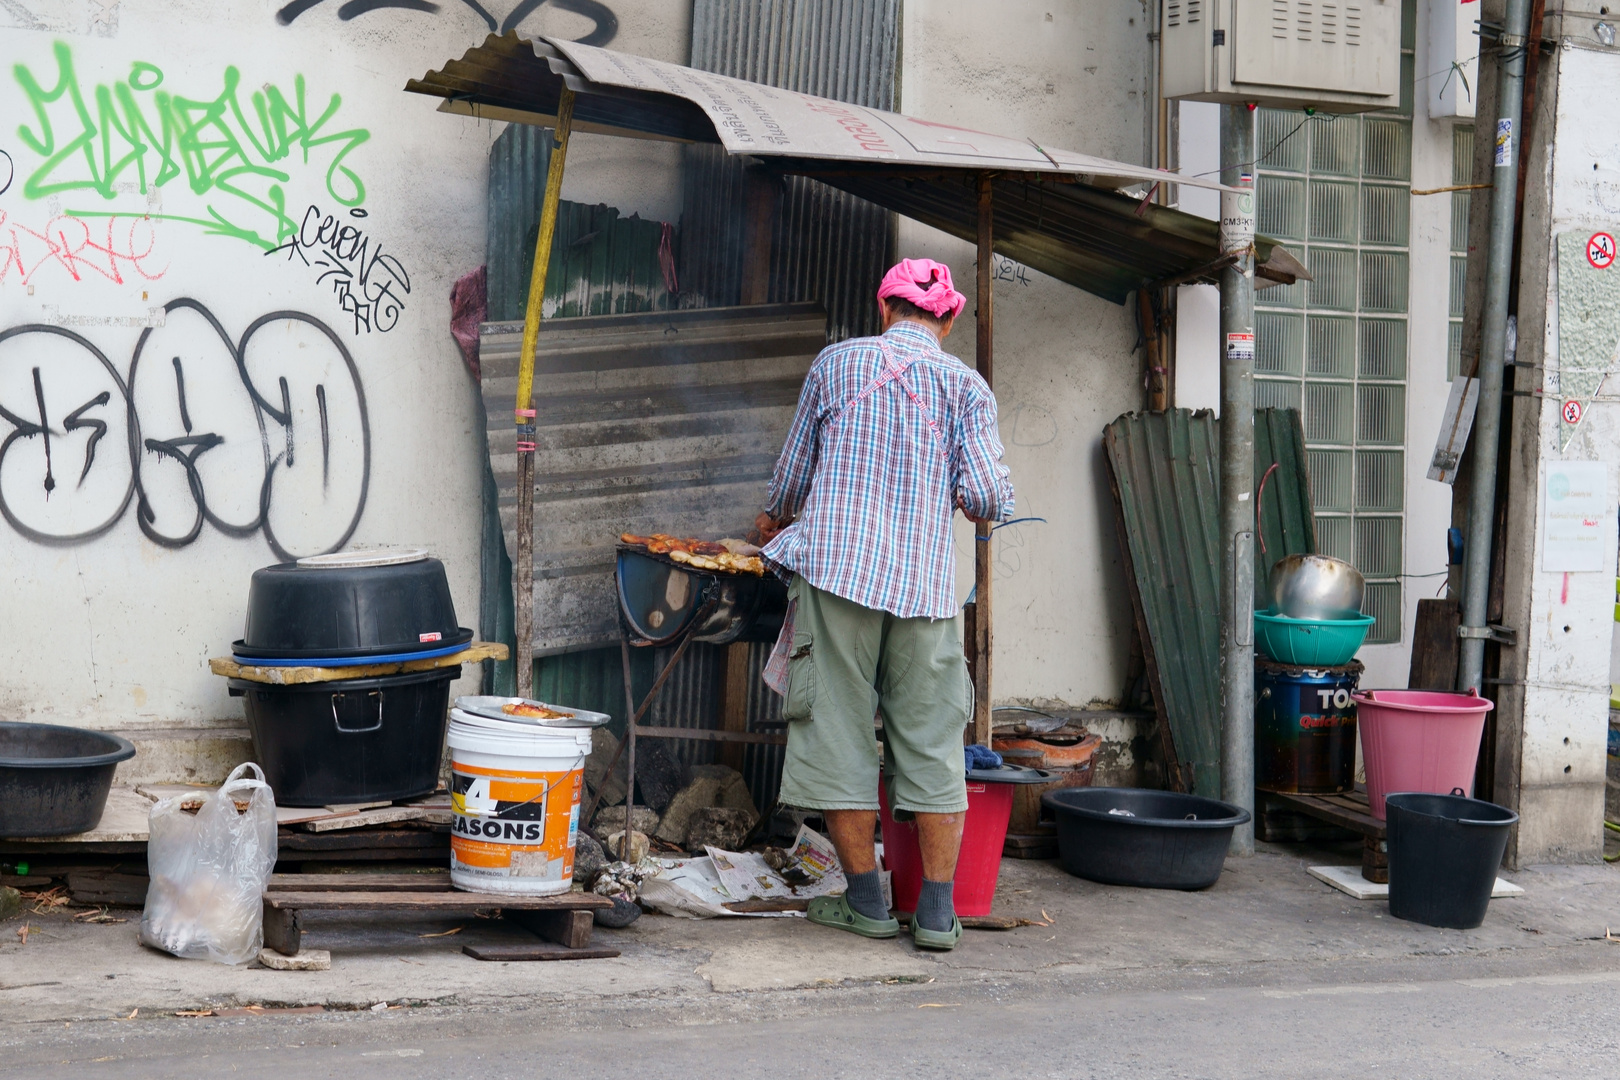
[(977, 867)]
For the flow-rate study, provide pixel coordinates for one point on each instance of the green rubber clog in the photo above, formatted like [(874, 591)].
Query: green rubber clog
[(940, 940), (834, 911)]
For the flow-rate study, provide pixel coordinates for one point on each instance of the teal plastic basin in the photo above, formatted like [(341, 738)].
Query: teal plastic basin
[(1310, 642)]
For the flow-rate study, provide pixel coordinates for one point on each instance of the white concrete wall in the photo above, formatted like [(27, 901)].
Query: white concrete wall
[(1071, 76), (1563, 752), (114, 630)]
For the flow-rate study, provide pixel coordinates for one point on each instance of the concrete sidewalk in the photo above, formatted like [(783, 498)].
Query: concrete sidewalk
[(1266, 923)]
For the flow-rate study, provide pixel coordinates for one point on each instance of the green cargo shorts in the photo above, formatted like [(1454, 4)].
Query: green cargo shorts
[(847, 664)]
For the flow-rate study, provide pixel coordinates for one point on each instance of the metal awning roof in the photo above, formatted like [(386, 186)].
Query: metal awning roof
[(1057, 211)]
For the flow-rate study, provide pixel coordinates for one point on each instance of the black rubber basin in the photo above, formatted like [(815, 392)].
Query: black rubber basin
[(1149, 839), (54, 780), (1444, 851), (305, 612), (349, 741)]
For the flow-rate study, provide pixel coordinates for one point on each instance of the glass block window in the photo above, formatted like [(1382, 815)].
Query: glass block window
[(1338, 190), (1462, 172)]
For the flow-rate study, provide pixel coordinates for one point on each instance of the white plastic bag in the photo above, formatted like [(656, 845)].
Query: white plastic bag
[(209, 871)]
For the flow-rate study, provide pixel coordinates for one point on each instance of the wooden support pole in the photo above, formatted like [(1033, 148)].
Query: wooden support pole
[(734, 703), (981, 548), (523, 410)]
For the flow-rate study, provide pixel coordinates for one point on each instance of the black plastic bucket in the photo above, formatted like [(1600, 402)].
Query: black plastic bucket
[(54, 780), (1444, 851), (1148, 839), (355, 740)]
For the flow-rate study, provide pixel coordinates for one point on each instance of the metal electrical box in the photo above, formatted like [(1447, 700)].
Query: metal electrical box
[(1334, 55)]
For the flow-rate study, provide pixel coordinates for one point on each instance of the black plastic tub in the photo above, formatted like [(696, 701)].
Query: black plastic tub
[(1444, 851), (54, 780), (1149, 839), (303, 611), (354, 740)]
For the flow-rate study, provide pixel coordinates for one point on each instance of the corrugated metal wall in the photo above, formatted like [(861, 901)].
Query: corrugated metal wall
[(1165, 470), (517, 184), (828, 246), (661, 422)]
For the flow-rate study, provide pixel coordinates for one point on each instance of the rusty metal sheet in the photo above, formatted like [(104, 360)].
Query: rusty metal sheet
[(663, 421), (1164, 469)]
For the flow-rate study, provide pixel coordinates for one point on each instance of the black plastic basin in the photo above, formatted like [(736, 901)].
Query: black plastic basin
[(1157, 840), (54, 780), (349, 741), (310, 612)]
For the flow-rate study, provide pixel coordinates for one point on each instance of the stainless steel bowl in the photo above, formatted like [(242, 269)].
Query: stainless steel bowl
[(1316, 587)]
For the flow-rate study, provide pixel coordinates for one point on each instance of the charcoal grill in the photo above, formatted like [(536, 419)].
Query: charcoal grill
[(660, 600), (663, 602)]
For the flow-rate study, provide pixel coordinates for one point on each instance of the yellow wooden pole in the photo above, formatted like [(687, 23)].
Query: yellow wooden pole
[(523, 571)]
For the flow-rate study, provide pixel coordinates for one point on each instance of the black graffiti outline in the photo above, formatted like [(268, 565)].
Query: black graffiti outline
[(188, 448), (607, 23), (11, 172), (24, 430)]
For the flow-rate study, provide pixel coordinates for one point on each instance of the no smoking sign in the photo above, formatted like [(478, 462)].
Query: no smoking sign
[(1600, 251)]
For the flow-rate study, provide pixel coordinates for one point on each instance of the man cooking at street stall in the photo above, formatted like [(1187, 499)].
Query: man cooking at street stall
[(891, 437)]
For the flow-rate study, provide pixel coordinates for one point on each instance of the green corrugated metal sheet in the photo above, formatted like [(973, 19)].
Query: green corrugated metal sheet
[(1165, 473)]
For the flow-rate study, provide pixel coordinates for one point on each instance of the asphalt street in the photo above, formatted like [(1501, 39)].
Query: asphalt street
[(1201, 1024)]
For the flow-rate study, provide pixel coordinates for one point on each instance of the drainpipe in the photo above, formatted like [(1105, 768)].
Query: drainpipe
[(1237, 468), (1493, 345)]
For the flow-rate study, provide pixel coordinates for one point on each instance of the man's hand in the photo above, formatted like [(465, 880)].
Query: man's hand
[(960, 505), (765, 530)]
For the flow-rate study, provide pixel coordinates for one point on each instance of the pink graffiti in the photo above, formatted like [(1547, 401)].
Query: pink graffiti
[(110, 247)]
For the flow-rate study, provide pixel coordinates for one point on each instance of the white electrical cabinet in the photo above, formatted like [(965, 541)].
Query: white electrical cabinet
[(1333, 55), (1453, 57)]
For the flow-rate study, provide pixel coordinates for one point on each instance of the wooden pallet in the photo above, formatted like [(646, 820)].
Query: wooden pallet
[(1348, 811), (564, 922)]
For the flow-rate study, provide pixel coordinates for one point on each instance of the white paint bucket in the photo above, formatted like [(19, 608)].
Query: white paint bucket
[(515, 790)]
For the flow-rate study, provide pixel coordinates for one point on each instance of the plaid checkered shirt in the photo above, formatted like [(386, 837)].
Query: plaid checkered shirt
[(890, 437)]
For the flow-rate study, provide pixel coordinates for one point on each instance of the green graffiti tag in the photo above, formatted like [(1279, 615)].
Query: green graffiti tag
[(136, 135)]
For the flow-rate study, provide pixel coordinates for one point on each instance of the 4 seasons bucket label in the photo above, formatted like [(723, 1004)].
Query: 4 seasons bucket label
[(513, 824)]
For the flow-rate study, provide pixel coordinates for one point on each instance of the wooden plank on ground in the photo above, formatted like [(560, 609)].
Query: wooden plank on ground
[(570, 929), (437, 882), (386, 815), (426, 902), (374, 843), (538, 950)]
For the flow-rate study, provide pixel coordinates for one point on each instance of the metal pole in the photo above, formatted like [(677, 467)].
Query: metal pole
[(983, 358), (523, 411), (1237, 469), (1493, 346)]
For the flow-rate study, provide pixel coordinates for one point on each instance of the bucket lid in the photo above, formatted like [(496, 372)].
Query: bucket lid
[(507, 728), (493, 708), (348, 560)]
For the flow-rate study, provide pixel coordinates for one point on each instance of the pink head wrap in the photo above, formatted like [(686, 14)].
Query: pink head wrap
[(925, 283)]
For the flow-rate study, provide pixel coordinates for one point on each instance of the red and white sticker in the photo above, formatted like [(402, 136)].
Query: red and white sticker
[(1572, 411), (434, 636), (1600, 251)]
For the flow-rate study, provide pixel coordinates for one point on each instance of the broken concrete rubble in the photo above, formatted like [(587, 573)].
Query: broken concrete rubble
[(722, 827), (709, 786), (610, 819)]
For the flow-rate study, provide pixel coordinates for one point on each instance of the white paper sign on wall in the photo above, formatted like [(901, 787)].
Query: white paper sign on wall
[(1575, 512)]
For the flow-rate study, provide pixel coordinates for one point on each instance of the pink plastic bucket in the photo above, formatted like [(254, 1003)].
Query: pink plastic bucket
[(1419, 740)]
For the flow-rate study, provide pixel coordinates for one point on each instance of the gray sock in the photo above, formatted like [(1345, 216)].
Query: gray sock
[(935, 911), (865, 895)]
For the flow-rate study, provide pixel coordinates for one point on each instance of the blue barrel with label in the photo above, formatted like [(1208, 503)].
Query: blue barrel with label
[(1304, 728)]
